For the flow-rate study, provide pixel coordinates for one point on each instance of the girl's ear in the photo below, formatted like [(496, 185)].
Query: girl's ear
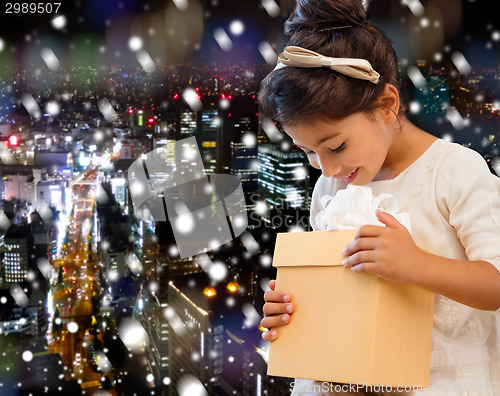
[(389, 104)]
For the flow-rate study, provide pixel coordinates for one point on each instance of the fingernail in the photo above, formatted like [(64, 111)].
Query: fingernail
[(344, 262), (284, 318), (344, 251), (289, 308), (274, 333), (286, 298)]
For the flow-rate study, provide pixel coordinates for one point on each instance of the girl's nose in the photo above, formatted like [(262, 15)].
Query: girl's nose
[(329, 168)]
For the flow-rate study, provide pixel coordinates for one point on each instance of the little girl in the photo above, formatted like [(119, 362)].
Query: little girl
[(336, 93)]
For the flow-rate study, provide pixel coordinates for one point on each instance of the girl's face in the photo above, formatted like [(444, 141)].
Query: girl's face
[(354, 149)]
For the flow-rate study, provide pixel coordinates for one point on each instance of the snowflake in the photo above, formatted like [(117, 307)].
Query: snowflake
[(223, 39), (189, 385), (267, 52), (192, 99), (271, 7), (145, 60), (50, 59), (416, 77), (461, 62), (251, 315), (182, 5)]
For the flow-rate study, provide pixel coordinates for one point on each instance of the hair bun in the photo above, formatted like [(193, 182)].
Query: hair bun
[(325, 14)]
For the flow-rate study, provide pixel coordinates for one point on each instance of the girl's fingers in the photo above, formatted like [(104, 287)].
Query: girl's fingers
[(274, 296), (272, 284), (388, 219), (365, 268), (270, 322), (277, 308), (364, 256), (369, 231), (270, 335), (359, 244)]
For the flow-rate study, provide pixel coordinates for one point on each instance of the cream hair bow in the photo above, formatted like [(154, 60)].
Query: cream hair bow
[(352, 67)]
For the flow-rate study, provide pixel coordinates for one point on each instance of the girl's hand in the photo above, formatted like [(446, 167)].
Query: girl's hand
[(276, 311), (388, 252)]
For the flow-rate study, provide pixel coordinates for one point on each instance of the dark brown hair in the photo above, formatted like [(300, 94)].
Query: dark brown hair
[(336, 28)]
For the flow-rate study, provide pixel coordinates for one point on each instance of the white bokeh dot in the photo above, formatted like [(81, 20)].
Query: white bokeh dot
[(27, 356), (72, 327), (414, 107), (260, 207), (99, 136), (3, 300), (266, 260), (59, 22), (185, 223), (230, 302), (424, 22), (448, 137), (53, 108), (150, 378), (239, 221), (135, 43), (249, 139), (495, 36), (137, 187), (236, 27), (224, 104), (300, 172), (2, 45), (217, 271), (189, 153)]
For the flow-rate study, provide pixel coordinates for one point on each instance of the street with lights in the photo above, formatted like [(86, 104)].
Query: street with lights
[(74, 287)]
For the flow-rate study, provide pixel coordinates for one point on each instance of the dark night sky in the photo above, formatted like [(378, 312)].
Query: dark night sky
[(465, 24)]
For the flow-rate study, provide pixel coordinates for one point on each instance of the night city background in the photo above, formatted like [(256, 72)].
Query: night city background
[(94, 297)]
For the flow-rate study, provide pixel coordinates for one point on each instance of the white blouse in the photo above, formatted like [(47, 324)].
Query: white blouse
[(454, 204)]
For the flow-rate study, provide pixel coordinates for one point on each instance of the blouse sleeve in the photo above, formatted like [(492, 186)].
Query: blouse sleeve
[(471, 196)]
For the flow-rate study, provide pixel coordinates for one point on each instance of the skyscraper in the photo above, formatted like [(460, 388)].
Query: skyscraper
[(18, 248)]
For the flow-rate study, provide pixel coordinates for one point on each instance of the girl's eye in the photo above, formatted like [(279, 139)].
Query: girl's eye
[(339, 148)]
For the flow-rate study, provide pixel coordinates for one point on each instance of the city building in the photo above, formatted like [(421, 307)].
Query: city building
[(18, 257)]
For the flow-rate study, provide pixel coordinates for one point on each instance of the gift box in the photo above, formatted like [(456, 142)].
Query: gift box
[(347, 327)]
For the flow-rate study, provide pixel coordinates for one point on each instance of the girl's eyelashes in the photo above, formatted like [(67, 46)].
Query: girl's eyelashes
[(339, 148)]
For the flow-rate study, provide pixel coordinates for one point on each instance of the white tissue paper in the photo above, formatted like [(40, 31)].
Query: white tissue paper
[(354, 207)]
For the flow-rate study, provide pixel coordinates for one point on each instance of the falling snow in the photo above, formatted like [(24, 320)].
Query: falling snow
[(267, 52), (271, 130), (461, 63), (50, 59), (271, 7), (223, 39)]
